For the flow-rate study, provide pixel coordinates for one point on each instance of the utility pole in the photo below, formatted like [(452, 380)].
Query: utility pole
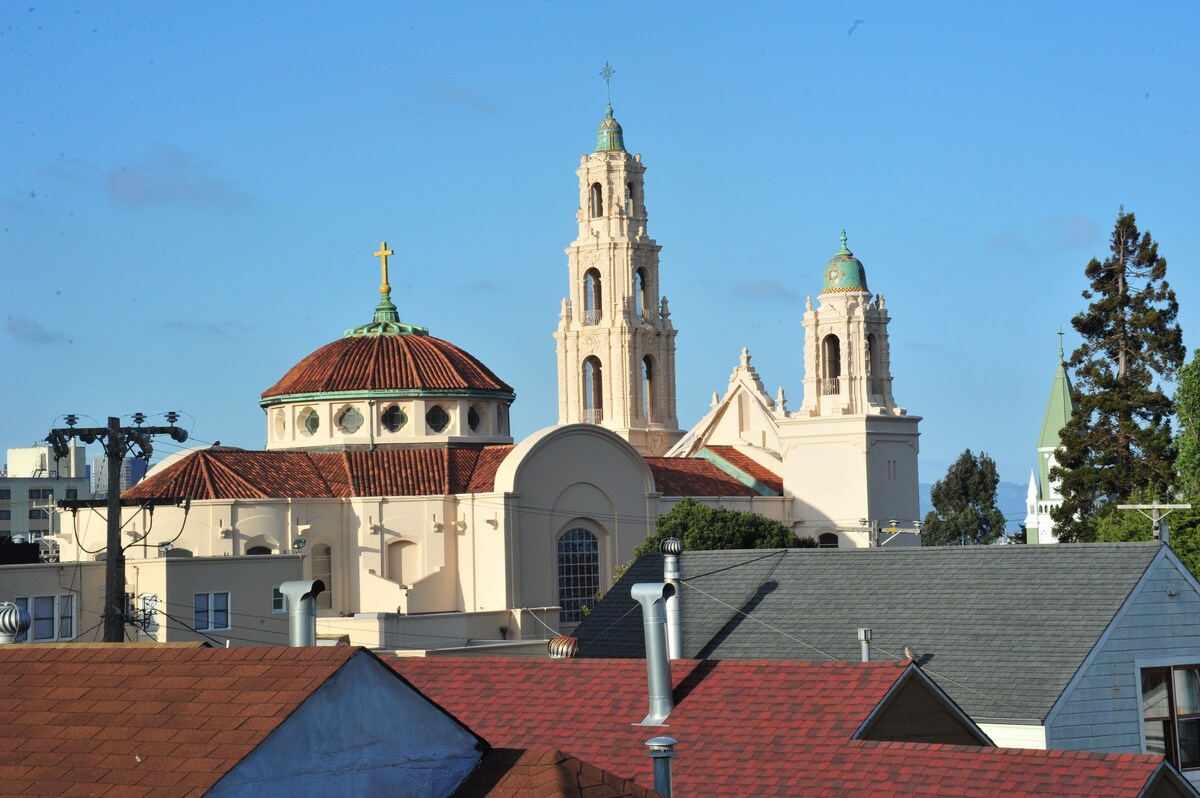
[(1153, 515), (116, 441)]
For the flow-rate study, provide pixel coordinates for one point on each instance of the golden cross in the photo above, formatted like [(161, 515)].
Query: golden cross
[(382, 254)]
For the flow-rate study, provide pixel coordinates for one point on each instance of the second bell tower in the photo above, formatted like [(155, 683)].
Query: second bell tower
[(615, 341)]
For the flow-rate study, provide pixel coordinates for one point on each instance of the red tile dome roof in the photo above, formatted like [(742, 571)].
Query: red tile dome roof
[(387, 363)]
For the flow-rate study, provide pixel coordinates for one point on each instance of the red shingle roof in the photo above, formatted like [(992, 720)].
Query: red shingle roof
[(685, 476), (747, 465), (512, 773), (228, 473), (145, 720), (387, 362), (750, 728)]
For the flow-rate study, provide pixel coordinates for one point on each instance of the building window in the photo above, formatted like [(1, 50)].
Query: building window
[(597, 200), (310, 422), (5, 515), (53, 617), (278, 601), (473, 419), (394, 419), (72, 493), (255, 551), (578, 574), (648, 388), (280, 425), (322, 568), (592, 297), (827, 540), (36, 514), (5, 495), (437, 418), (41, 493), (593, 391), (350, 420), (639, 292), (1171, 712), (629, 199), (210, 611), (831, 365)]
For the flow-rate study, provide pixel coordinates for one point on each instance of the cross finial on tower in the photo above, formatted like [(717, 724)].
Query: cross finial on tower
[(607, 74), (383, 254), (1060, 345)]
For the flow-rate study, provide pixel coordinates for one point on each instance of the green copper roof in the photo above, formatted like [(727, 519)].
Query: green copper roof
[(387, 318), (1058, 413), (844, 272), (608, 137)]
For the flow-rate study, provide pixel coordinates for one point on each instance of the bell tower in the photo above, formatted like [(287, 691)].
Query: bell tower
[(615, 341)]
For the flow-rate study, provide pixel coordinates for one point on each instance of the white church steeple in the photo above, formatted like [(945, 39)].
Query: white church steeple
[(615, 341)]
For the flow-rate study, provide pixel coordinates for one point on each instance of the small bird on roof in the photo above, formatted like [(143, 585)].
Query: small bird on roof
[(910, 654)]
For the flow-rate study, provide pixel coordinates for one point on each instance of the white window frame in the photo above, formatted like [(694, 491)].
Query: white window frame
[(209, 610), (64, 607), (278, 601)]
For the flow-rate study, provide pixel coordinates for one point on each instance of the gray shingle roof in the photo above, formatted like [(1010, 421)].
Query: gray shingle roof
[(1003, 628)]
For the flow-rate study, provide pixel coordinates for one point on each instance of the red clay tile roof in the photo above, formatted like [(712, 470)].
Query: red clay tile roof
[(144, 720), (229, 473), (387, 362), (513, 773), (686, 476), (750, 728), (747, 465)]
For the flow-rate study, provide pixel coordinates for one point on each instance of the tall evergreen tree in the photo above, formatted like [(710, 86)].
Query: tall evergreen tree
[(964, 504), (1187, 411), (1118, 441)]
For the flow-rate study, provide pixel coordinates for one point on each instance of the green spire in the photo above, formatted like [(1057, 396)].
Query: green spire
[(387, 318), (1058, 412), (609, 137)]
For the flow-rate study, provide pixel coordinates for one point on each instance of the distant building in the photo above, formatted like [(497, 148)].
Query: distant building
[(34, 482), (132, 471), (1043, 495)]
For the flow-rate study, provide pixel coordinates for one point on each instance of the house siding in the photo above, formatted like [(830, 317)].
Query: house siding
[(1101, 709)]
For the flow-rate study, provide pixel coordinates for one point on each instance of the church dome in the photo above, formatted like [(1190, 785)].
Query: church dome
[(387, 383), (844, 273), (389, 364), (609, 137)]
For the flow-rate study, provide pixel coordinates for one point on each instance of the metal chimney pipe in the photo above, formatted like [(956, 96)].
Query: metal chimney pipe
[(652, 596), (671, 548), (662, 749), (14, 621), (302, 610), (864, 639)]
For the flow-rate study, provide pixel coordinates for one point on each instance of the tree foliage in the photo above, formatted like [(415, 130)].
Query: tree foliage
[(964, 504), (704, 528), (1118, 526), (1187, 411), (1118, 440)]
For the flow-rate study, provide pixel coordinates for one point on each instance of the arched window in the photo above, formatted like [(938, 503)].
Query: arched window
[(827, 540), (831, 365), (591, 297), (403, 565), (597, 200), (629, 199), (578, 573), (639, 291), (875, 382), (322, 568), (254, 550), (648, 388), (593, 391), (473, 419)]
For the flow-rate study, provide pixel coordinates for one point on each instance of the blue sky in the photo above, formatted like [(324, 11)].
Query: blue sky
[(190, 193)]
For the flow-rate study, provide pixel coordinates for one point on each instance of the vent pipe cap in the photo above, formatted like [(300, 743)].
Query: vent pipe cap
[(14, 621), (562, 647), (672, 546)]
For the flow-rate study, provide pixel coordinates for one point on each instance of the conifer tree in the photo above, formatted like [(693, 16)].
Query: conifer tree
[(1118, 441), (1187, 411), (964, 504)]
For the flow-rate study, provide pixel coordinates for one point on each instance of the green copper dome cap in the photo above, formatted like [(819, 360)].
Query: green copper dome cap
[(844, 273), (608, 137), (387, 318)]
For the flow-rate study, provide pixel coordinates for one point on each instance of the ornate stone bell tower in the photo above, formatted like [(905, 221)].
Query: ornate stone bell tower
[(615, 342)]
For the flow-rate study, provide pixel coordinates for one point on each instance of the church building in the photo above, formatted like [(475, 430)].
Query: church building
[(389, 463), (1043, 495)]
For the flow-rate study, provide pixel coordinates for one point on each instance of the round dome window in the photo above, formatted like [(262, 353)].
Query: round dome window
[(437, 419), (350, 420)]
